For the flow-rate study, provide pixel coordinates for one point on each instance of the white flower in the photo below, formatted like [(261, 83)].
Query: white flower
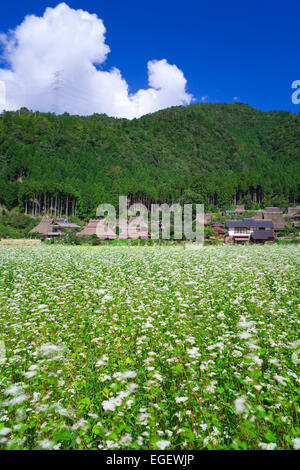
[(256, 359), (162, 444), (51, 351), (217, 345), (280, 379), (127, 374), (244, 324), (17, 399), (296, 442), (157, 376), (193, 352), (126, 440), (139, 441), (181, 399), (142, 418), (42, 307), (46, 444), (111, 404), (132, 387), (245, 335), (4, 431), (267, 446), (29, 374), (104, 377), (111, 445), (239, 405), (14, 390), (81, 424), (102, 361)]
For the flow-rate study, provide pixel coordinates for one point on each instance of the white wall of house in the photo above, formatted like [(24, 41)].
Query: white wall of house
[(238, 231), (244, 230)]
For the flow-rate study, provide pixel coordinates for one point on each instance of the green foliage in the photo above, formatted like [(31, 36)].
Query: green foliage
[(15, 225), (204, 153), (209, 232)]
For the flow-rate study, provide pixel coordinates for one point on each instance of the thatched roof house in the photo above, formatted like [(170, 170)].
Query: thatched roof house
[(43, 227), (293, 212), (100, 228), (136, 227), (239, 210), (207, 218), (276, 217), (53, 227)]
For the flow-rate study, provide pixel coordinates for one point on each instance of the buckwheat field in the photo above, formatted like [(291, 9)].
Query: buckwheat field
[(149, 348)]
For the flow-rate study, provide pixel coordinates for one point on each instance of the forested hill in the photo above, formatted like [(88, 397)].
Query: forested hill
[(212, 153)]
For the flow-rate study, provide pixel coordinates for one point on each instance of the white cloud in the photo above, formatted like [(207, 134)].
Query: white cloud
[(53, 65)]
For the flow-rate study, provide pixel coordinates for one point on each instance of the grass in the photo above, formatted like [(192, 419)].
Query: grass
[(149, 348)]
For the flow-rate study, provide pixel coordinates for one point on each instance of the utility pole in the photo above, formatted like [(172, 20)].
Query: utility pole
[(57, 86)]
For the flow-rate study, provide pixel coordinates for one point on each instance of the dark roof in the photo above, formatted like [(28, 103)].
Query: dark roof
[(250, 223), (262, 234), (65, 224), (259, 223)]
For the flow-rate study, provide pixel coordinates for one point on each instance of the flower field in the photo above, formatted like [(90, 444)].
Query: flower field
[(149, 348)]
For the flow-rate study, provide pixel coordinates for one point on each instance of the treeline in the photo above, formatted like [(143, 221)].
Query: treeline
[(216, 154)]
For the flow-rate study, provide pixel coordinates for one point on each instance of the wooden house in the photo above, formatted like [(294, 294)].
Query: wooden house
[(239, 210), (219, 229), (294, 214), (138, 228), (246, 230), (100, 228), (54, 228), (277, 218)]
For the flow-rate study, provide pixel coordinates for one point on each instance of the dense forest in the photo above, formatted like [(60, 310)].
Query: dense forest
[(216, 154)]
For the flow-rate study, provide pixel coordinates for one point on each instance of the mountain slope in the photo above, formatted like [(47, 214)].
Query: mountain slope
[(211, 153)]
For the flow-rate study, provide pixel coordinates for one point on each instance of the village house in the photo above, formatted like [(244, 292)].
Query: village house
[(54, 228), (293, 213), (204, 218), (239, 210), (207, 218), (274, 214), (135, 228), (219, 229), (98, 227), (246, 230)]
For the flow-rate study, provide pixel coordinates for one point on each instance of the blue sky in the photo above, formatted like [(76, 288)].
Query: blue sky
[(226, 49)]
